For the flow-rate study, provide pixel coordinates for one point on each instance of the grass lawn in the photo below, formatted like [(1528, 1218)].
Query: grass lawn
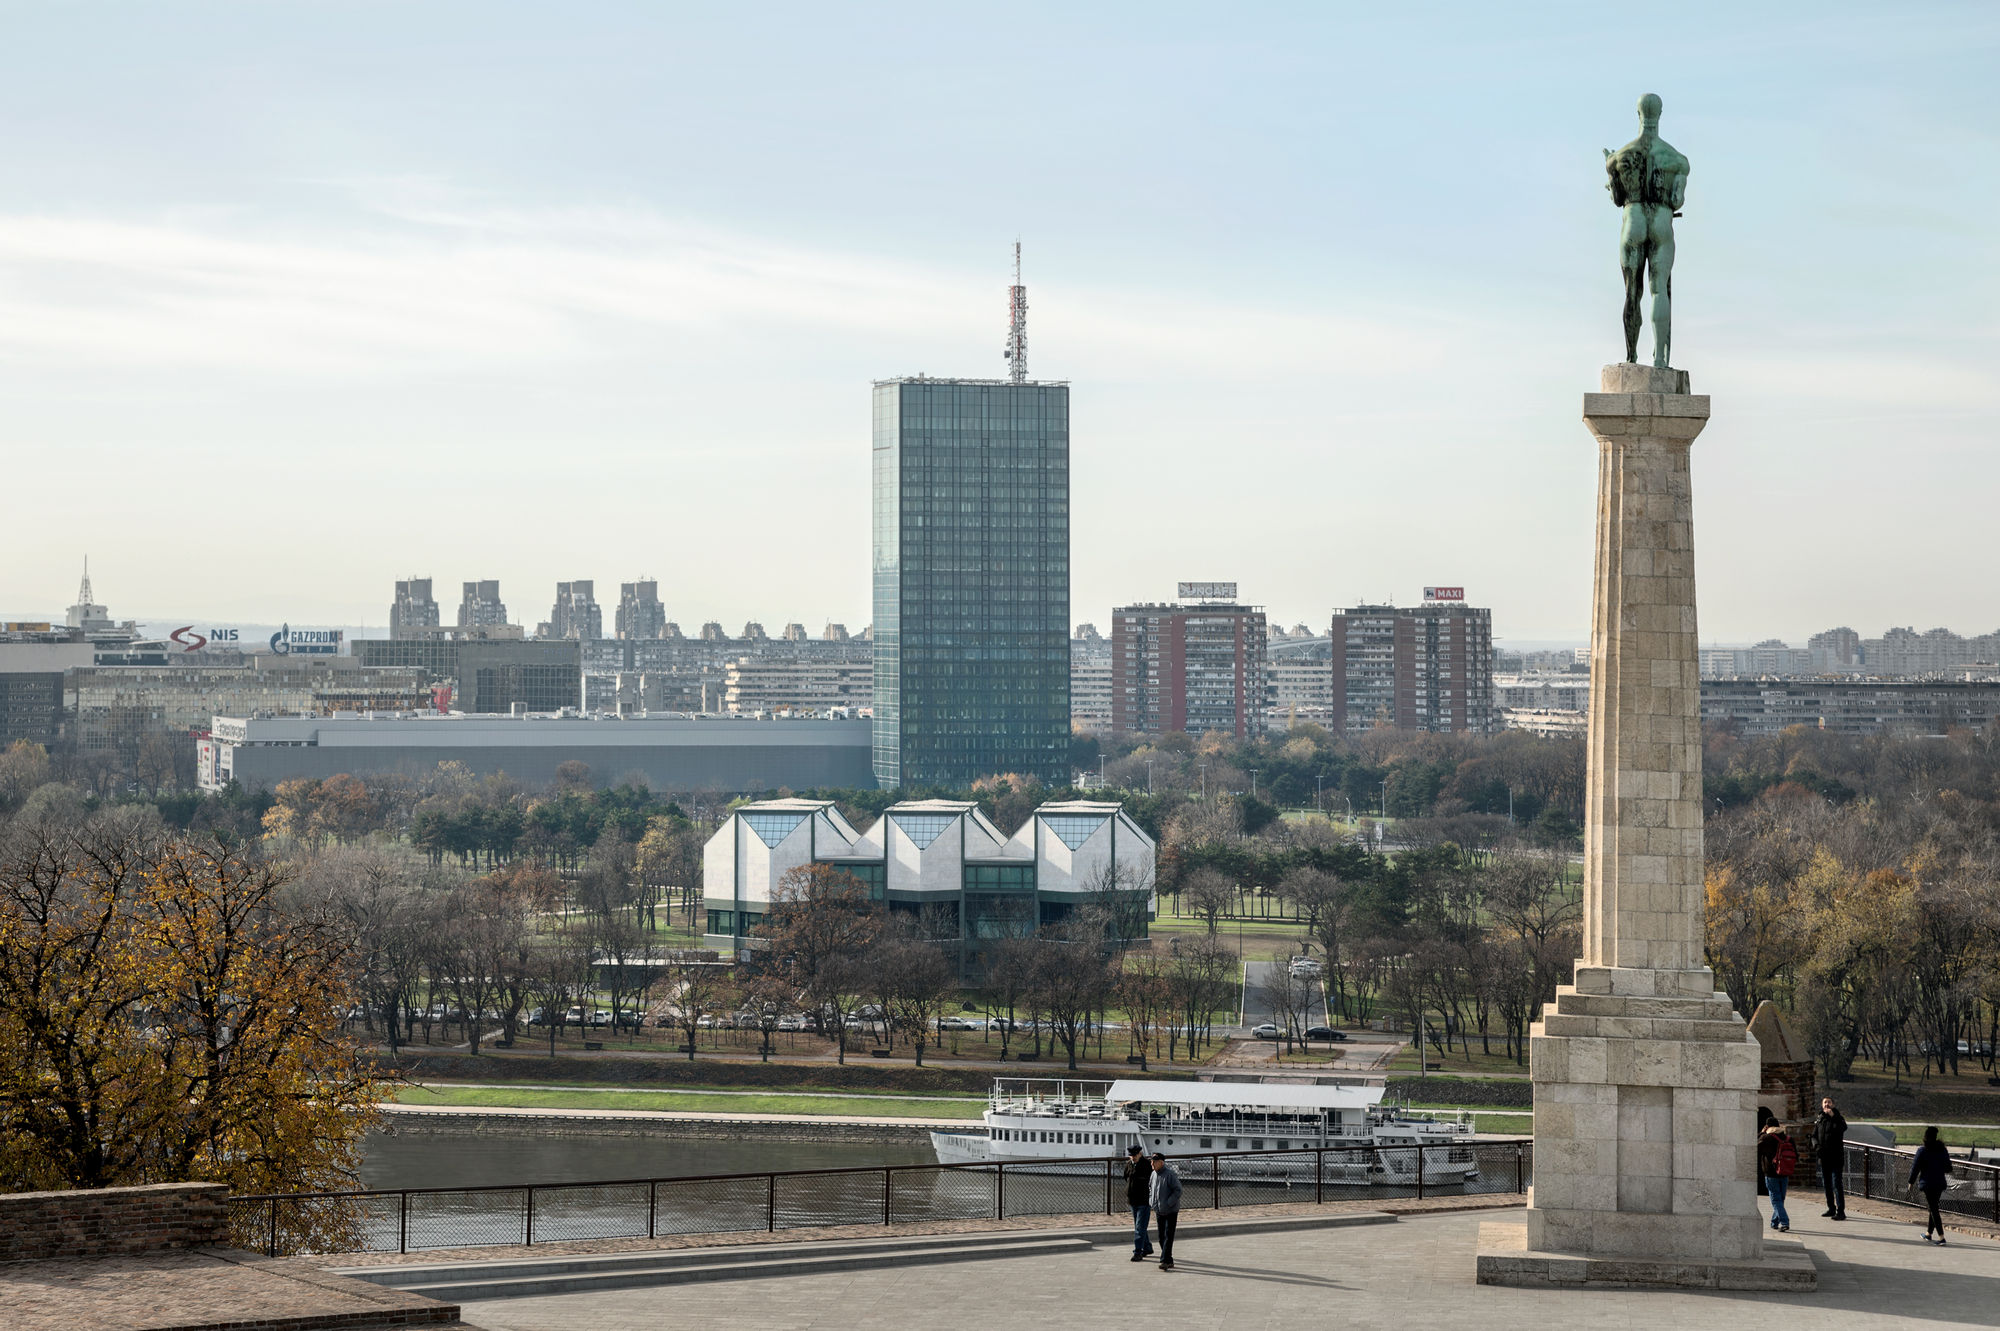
[(1456, 1064), (690, 1102)]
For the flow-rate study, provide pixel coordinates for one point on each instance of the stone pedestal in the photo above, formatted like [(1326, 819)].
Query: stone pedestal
[(1646, 1080)]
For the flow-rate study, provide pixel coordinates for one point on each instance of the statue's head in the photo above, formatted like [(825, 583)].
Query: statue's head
[(1649, 111)]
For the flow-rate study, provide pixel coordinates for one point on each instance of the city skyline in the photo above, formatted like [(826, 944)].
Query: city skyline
[(265, 276)]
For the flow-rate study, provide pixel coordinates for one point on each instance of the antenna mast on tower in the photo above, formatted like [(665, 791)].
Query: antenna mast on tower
[(1017, 324)]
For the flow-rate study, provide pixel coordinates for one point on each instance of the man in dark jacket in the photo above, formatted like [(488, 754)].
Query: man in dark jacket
[(1829, 1143), (1166, 1201), (1138, 1187)]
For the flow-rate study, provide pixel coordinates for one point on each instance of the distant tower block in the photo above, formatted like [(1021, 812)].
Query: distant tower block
[(1017, 324)]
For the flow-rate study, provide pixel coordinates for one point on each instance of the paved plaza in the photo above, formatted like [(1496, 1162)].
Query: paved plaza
[(1412, 1275)]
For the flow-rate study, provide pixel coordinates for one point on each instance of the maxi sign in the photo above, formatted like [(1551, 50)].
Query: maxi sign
[(1444, 593), (288, 641)]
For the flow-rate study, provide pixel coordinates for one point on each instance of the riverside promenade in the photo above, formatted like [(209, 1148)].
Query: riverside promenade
[(1875, 1272)]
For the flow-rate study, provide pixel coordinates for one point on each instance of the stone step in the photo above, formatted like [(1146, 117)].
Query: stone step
[(734, 1264)]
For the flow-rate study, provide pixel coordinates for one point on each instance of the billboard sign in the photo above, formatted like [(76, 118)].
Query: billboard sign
[(190, 639), (1444, 593), (288, 641), (1208, 591)]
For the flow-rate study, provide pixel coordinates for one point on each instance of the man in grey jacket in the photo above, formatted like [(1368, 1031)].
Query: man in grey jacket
[(1165, 1199)]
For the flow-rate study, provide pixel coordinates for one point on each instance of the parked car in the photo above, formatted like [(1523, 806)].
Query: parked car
[(1326, 1033), (1265, 1032), (1307, 968), (957, 1024)]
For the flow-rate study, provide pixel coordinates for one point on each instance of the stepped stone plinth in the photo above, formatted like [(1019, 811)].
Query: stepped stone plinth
[(1646, 1079)]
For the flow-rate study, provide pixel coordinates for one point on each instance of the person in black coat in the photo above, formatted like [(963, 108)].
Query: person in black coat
[(1928, 1171), (1138, 1184), (1765, 1118), (1829, 1145)]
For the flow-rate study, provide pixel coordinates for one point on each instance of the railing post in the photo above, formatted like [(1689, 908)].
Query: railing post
[(1867, 1171), (271, 1248), (1520, 1183), (403, 1225), (1420, 1171), (531, 1219), (1107, 1188), (1319, 1175), (1215, 1182), (885, 1195), (999, 1191), (771, 1203), (652, 1206)]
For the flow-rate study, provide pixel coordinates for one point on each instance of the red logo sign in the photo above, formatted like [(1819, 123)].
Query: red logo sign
[(188, 638), (1444, 593)]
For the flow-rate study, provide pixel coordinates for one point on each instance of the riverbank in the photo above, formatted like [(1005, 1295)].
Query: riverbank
[(705, 1102), (404, 1119)]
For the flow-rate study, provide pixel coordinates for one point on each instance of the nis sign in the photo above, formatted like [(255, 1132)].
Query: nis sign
[(1444, 593), (1208, 591)]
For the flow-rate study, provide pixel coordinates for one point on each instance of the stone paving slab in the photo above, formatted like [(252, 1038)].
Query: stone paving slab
[(190, 1289), (1190, 1220), (1415, 1275)]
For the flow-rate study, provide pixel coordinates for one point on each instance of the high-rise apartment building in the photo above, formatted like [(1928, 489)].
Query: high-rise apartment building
[(640, 614), (414, 611), (1192, 668), (481, 606), (971, 580), (575, 613), (1417, 667)]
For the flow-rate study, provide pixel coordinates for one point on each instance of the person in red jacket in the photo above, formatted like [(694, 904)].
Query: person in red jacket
[(1777, 1161)]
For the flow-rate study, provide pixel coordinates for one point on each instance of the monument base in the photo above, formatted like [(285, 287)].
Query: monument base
[(1505, 1259)]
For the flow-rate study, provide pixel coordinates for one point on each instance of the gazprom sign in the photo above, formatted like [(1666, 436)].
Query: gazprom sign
[(288, 641)]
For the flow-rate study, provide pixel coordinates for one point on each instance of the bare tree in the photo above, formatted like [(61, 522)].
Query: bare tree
[(1209, 893), (816, 934), (1140, 984), (696, 989)]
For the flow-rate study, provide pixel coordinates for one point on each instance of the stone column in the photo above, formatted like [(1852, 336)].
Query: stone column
[(1645, 1079)]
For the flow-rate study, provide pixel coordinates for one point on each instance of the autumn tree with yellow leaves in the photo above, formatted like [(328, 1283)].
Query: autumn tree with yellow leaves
[(168, 1013)]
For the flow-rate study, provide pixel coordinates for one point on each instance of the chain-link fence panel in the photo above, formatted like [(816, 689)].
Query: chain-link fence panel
[(473, 1218), (958, 1192), (834, 1197), (592, 1211), (1056, 1187), (711, 1205)]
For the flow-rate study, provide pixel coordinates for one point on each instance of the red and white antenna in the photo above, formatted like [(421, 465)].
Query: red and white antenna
[(1017, 324)]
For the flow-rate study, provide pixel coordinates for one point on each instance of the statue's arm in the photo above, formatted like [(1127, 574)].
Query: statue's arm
[(1680, 187)]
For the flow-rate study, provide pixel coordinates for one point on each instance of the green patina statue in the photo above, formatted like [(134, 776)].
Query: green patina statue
[(1649, 182)]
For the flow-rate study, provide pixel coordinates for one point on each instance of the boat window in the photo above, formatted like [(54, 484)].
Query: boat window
[(1207, 1142), (1256, 1143), (1232, 1143)]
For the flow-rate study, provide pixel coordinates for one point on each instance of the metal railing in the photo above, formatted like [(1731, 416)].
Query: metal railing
[(415, 1219), (1881, 1173)]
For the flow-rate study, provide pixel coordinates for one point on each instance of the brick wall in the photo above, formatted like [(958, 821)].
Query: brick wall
[(100, 1221)]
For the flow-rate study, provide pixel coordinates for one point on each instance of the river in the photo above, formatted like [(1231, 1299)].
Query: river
[(464, 1160)]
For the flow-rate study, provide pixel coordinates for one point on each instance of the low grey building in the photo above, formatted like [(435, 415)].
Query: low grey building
[(671, 753), (1849, 707)]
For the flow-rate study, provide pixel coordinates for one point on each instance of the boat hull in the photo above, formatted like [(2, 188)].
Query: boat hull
[(1388, 1166)]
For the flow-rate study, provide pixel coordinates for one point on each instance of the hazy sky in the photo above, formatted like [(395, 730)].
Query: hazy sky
[(299, 298)]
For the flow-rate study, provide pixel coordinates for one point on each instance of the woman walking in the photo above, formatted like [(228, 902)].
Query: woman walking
[(1928, 1170)]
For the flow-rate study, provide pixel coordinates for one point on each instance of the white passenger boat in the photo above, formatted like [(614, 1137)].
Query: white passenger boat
[(1046, 1122)]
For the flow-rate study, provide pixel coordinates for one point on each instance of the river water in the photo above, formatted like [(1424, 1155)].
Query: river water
[(464, 1160)]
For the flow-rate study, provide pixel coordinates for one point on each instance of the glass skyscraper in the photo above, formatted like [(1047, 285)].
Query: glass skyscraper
[(971, 568)]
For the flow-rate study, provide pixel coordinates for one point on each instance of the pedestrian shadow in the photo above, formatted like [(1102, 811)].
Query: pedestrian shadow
[(1254, 1273)]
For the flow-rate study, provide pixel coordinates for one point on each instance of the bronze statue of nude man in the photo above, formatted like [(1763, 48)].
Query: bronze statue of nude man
[(1649, 182)]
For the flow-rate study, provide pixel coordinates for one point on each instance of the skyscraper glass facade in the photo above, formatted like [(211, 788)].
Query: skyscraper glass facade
[(971, 573)]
